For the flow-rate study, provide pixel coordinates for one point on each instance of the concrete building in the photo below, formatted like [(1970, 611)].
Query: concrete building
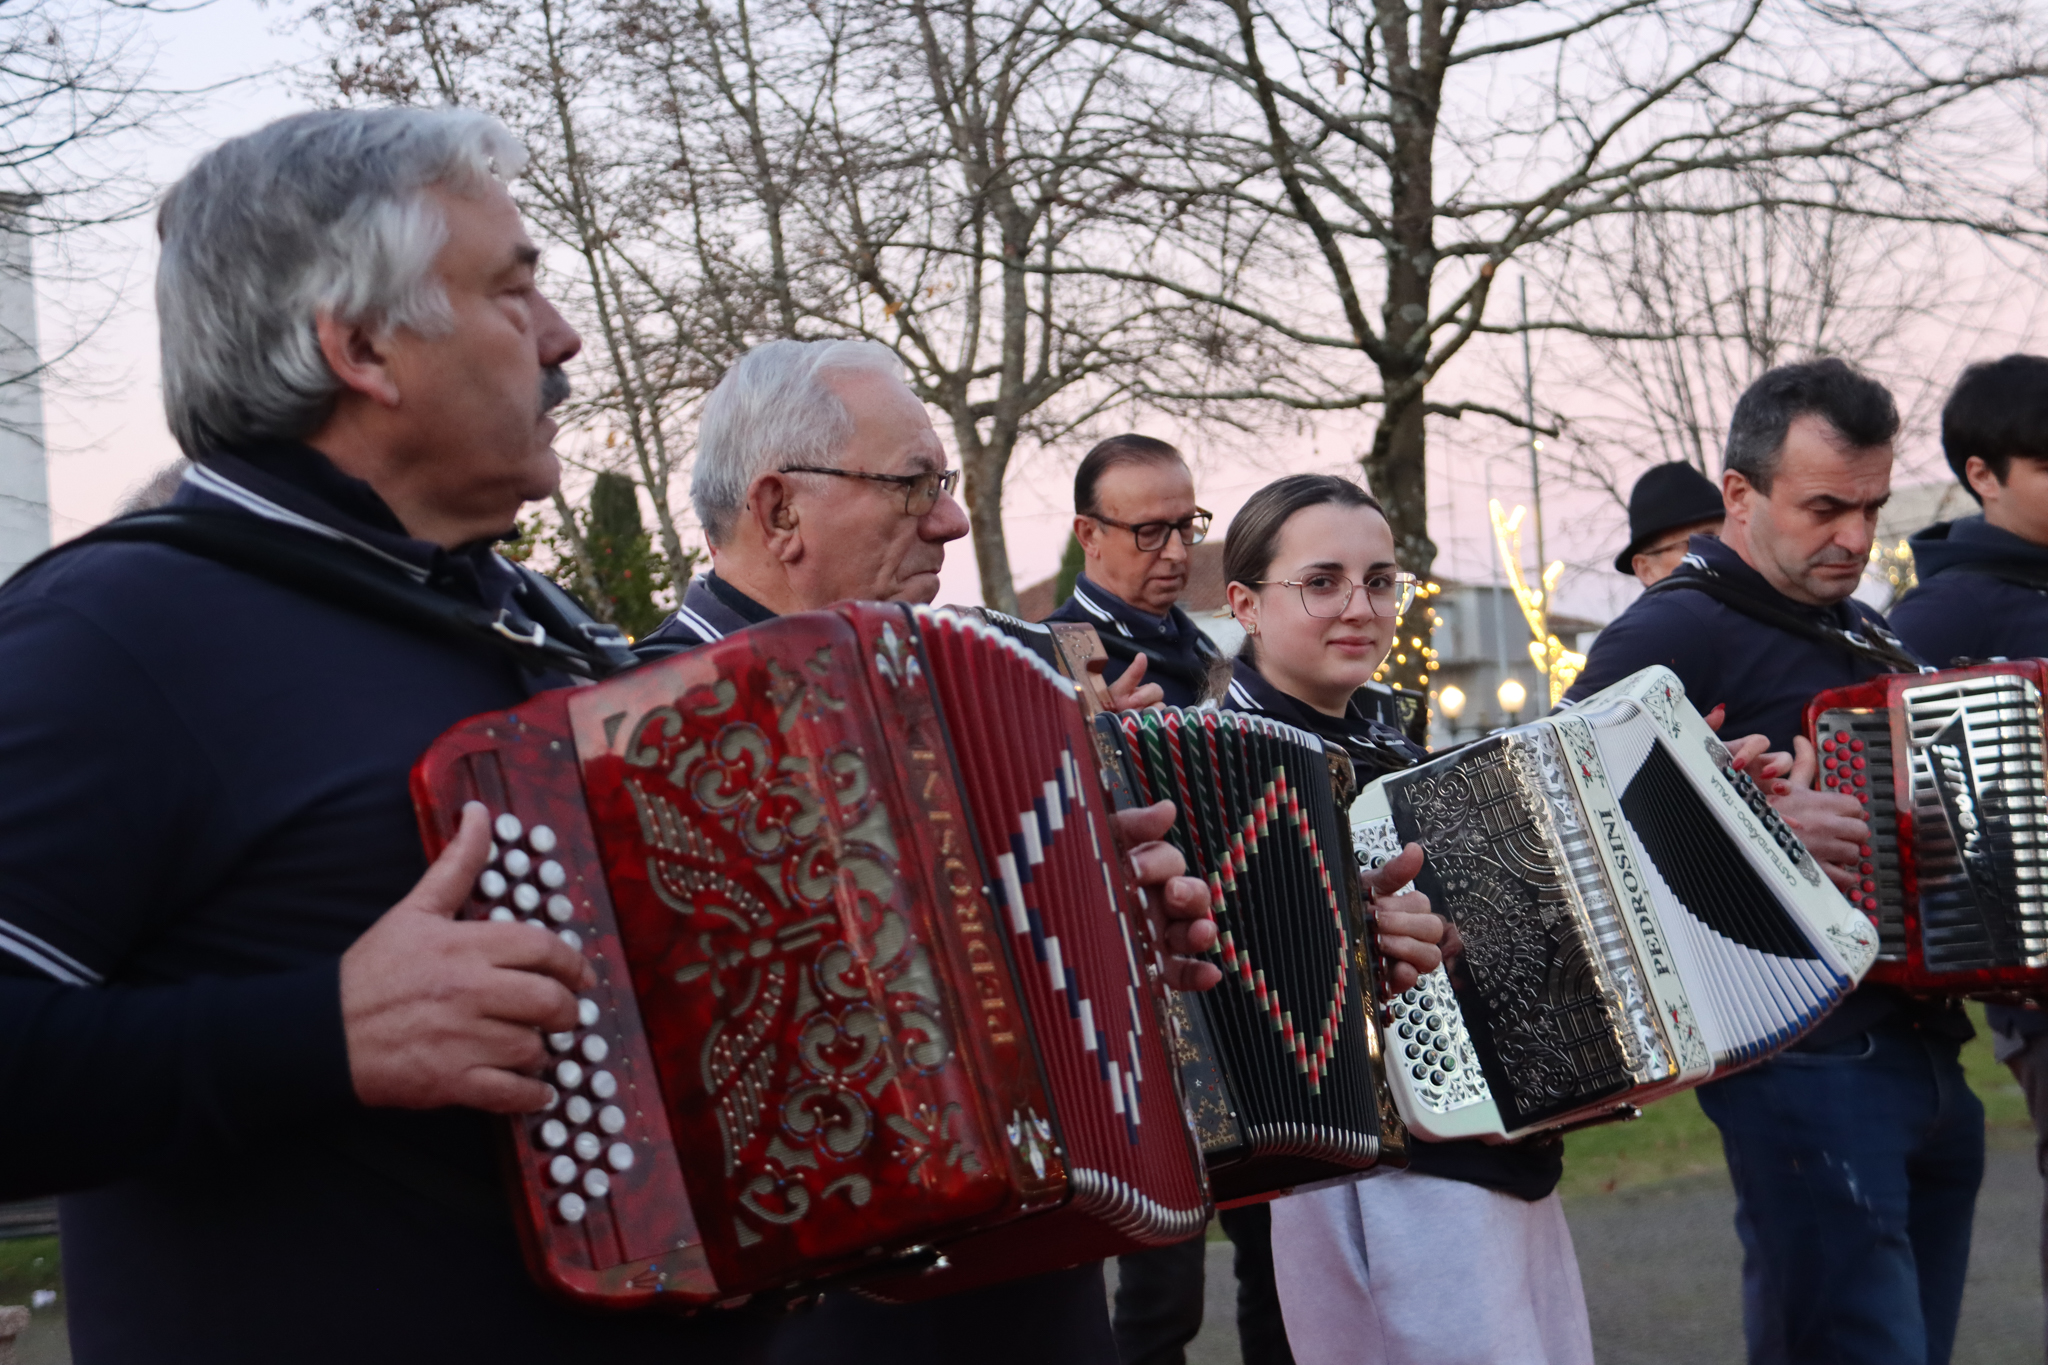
[(24, 481)]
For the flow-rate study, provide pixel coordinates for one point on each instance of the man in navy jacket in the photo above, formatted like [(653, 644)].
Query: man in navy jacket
[(1856, 1154), (1136, 520), (1983, 594), (240, 1030)]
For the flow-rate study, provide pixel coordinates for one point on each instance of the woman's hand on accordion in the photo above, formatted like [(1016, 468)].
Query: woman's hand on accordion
[(1411, 935), (1179, 905), (1130, 692), (438, 1012)]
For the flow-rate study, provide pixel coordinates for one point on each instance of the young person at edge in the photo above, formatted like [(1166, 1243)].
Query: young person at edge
[(1983, 594)]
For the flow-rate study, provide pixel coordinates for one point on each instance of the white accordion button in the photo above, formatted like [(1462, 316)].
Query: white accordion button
[(569, 1075), (491, 884), (561, 1042), (554, 1098), (611, 1118), (578, 1109), (571, 1207), (586, 1012), (620, 1156), (588, 1145), (561, 909), (596, 1184), (502, 915), (562, 1169), (508, 827), (603, 1084), (552, 876), (526, 896), (573, 939), (543, 840), (595, 1049), (517, 864), (553, 1134)]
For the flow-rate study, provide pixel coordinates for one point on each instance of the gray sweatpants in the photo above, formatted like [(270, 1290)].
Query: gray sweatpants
[(1404, 1269)]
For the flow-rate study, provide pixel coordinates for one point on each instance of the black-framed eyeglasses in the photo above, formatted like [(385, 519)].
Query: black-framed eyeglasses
[(921, 492), (1151, 535), (1328, 595)]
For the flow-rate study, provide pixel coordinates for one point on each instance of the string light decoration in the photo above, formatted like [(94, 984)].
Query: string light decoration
[(1412, 662), (1560, 665), (1894, 564)]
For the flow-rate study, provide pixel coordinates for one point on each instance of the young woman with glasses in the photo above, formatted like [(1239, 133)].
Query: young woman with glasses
[(1464, 1258)]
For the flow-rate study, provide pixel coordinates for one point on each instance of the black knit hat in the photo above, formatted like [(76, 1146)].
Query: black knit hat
[(1669, 496)]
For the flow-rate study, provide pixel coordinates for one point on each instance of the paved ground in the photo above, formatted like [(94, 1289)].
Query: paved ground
[(1662, 1273)]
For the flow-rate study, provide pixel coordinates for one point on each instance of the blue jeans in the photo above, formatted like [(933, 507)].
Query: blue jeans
[(1856, 1171)]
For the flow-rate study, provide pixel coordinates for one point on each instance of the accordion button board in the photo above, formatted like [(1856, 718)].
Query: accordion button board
[(1951, 770), (873, 975), (1635, 918)]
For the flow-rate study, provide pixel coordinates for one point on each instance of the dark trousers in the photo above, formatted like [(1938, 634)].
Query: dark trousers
[(1159, 1296), (2028, 1058), (1061, 1318), (1856, 1173)]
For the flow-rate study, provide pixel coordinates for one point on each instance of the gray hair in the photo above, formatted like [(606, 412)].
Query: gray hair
[(326, 212), (771, 410)]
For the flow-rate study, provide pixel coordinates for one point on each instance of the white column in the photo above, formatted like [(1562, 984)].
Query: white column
[(24, 483)]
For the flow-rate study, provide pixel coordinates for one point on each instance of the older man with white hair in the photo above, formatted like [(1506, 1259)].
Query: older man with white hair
[(241, 1032), (819, 479)]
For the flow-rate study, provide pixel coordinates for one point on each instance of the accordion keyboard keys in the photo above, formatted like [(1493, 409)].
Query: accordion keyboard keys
[(1856, 757), (1434, 1047)]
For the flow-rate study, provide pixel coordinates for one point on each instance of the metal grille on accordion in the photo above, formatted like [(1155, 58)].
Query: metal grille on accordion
[(1635, 918), (1957, 869), (873, 976)]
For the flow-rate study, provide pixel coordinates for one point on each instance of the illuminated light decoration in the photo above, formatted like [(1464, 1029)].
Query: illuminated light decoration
[(1560, 665), (1416, 659), (1894, 564)]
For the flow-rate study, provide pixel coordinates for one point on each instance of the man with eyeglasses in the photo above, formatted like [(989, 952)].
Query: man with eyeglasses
[(1136, 519), (819, 479), (1669, 505)]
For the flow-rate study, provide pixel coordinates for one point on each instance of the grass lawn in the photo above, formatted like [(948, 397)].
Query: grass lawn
[(26, 1265), (1674, 1138)]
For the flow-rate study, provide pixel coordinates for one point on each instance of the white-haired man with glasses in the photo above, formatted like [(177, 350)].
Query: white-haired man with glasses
[(1136, 520), (819, 479)]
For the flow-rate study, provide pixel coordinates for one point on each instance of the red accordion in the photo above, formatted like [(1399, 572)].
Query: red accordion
[(1950, 767), (862, 991)]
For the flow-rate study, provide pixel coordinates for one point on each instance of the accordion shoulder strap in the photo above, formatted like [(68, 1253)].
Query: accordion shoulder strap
[(555, 633), (1872, 643)]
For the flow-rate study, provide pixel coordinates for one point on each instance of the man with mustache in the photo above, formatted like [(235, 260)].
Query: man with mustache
[(241, 1031), (1136, 520), (1856, 1154)]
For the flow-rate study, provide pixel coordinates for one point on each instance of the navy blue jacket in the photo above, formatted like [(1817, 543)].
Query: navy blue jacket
[(1178, 653), (1765, 676), (1958, 612), (203, 802), (1370, 733)]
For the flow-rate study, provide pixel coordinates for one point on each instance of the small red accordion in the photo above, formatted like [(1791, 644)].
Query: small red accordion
[(862, 993), (1951, 769)]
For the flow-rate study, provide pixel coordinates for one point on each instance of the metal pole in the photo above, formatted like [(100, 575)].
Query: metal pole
[(1535, 475)]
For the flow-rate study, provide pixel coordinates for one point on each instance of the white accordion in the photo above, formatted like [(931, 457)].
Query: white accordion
[(1635, 918)]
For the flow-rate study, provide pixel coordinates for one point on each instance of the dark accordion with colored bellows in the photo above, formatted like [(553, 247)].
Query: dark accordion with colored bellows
[(1950, 768), (878, 1003), (1281, 1059)]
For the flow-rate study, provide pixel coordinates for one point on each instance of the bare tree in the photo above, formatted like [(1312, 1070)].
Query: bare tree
[(1413, 147)]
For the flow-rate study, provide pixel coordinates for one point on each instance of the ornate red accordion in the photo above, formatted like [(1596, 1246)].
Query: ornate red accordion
[(1950, 767), (873, 976)]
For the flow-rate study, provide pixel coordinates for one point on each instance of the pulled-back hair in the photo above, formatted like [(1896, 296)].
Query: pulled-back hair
[(1254, 535), (328, 212), (1858, 407), (1114, 453), (1999, 409)]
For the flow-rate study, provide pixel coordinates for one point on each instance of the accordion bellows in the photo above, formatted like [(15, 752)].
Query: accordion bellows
[(873, 977), (1951, 769), (1635, 918)]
